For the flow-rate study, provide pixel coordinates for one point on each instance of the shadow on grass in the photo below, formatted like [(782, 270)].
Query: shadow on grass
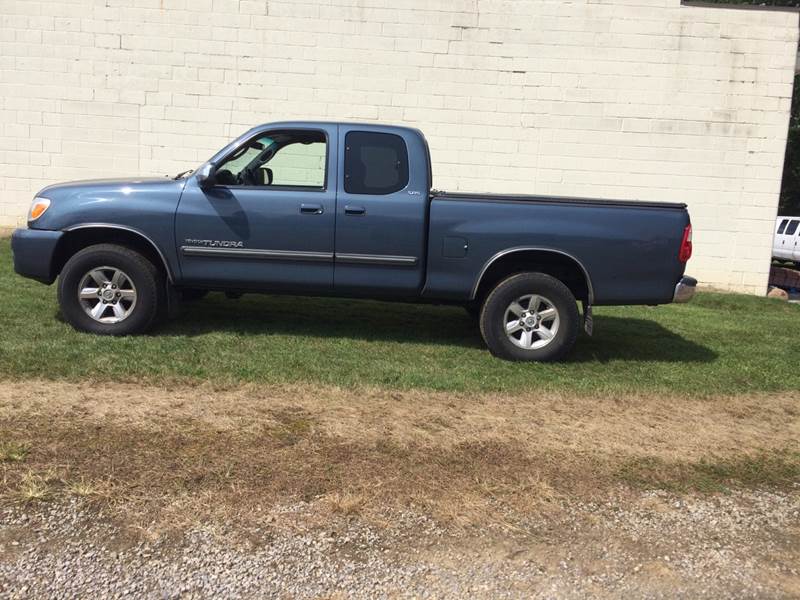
[(615, 338)]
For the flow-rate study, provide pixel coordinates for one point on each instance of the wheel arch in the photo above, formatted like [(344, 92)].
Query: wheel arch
[(78, 237), (557, 263)]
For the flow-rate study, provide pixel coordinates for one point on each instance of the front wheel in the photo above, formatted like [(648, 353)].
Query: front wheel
[(109, 290), (530, 317)]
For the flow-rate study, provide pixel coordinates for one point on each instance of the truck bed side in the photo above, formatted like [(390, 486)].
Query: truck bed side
[(627, 250)]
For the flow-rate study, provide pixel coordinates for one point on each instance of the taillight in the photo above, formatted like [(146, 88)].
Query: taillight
[(686, 244)]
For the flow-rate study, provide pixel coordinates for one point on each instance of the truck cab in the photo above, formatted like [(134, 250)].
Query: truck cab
[(314, 195)]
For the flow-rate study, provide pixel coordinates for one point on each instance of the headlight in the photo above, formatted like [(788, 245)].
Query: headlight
[(38, 208)]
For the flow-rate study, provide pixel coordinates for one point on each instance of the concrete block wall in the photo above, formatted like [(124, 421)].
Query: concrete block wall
[(639, 99)]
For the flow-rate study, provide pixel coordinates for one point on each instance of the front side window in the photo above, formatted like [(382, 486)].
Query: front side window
[(277, 159), (375, 163), (782, 226), (792, 227)]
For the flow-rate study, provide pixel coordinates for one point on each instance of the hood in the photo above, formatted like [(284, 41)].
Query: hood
[(121, 185), (121, 201)]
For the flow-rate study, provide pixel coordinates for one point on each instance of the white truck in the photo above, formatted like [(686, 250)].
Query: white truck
[(786, 244)]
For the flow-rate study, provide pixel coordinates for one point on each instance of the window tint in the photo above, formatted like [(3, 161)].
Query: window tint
[(279, 159), (792, 227), (375, 163), (782, 226)]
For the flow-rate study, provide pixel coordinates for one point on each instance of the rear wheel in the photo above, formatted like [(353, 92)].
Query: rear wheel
[(110, 290), (530, 317)]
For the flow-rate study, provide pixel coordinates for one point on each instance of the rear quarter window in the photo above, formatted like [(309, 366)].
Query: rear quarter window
[(375, 163)]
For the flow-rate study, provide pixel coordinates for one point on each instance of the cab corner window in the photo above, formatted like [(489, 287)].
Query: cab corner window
[(375, 163), (277, 159)]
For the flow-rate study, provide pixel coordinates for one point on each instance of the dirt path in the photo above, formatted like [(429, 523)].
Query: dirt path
[(323, 491)]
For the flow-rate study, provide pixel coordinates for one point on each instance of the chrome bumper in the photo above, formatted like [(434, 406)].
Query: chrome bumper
[(685, 289)]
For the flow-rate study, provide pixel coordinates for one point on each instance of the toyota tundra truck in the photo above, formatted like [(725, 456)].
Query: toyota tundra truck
[(348, 210)]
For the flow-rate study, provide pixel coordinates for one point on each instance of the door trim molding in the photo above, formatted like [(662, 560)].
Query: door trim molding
[(257, 254), (377, 259)]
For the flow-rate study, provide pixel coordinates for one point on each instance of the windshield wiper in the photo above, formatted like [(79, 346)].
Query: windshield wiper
[(183, 174)]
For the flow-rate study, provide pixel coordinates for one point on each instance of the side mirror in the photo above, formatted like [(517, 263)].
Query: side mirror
[(205, 176)]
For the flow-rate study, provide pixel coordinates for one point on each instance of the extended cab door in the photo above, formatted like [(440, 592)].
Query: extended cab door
[(267, 221), (381, 211)]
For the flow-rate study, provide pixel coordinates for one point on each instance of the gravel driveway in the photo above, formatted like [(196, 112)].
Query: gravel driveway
[(743, 545)]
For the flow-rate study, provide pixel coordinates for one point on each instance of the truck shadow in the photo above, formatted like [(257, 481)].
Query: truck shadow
[(615, 338)]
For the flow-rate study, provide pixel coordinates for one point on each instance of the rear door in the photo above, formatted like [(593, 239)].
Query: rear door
[(796, 246), (381, 212)]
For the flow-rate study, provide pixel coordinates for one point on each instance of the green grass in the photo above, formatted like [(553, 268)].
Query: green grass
[(12, 451), (719, 343)]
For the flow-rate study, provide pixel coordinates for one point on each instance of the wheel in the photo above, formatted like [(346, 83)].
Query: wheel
[(193, 294), (110, 290), (530, 317)]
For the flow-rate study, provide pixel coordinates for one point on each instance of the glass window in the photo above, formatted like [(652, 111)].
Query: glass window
[(375, 163), (792, 227), (277, 159), (782, 226)]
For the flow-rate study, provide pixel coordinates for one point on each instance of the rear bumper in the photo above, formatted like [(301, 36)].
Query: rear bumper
[(685, 289), (33, 251)]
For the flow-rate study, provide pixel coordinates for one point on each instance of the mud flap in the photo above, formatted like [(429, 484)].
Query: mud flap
[(173, 302), (588, 321)]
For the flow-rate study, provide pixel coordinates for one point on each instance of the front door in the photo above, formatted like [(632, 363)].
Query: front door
[(381, 214), (267, 222)]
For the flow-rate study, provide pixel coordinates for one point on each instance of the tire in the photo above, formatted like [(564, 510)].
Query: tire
[(549, 330), (134, 301)]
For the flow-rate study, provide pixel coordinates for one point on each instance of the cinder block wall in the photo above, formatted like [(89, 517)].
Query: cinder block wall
[(608, 98)]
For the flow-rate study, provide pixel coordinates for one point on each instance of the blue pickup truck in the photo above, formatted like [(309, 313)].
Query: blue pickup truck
[(348, 210)]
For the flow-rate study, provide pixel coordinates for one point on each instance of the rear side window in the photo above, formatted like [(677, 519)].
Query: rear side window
[(792, 227), (782, 226), (375, 163)]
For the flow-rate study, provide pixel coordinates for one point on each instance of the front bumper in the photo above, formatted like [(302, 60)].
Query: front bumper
[(33, 251), (685, 289)]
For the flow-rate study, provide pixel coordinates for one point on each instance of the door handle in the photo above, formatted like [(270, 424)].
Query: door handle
[(311, 209), (354, 210)]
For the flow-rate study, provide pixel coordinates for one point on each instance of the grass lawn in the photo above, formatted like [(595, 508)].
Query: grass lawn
[(718, 344)]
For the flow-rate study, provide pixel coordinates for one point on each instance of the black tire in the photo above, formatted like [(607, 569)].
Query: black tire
[(493, 313), (149, 289)]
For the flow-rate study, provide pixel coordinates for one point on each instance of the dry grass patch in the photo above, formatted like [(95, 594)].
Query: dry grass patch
[(185, 452), (33, 487)]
